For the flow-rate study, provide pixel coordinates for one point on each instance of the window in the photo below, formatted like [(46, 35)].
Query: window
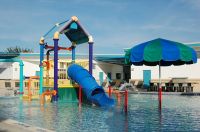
[(7, 84), (62, 64), (109, 75), (16, 69), (62, 76), (2, 69), (118, 75), (36, 84), (68, 63), (94, 66), (62, 73), (26, 84), (16, 84)]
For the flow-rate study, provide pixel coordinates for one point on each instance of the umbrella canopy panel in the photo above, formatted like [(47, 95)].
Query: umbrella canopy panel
[(161, 51)]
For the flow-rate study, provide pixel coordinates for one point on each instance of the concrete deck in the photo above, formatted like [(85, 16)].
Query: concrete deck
[(8, 125)]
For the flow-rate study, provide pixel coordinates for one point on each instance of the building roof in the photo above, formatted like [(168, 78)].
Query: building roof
[(112, 59), (108, 58), (4, 55)]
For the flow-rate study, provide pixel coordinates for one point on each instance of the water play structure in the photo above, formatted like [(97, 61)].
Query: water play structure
[(77, 35)]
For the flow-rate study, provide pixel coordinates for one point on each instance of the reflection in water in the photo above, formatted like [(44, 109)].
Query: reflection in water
[(29, 109), (21, 113), (143, 115), (79, 107), (126, 123), (160, 116)]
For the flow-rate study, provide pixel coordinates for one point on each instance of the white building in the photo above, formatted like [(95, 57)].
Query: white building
[(103, 65), (10, 70)]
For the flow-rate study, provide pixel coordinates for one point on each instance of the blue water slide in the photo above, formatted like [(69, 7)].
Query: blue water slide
[(92, 90)]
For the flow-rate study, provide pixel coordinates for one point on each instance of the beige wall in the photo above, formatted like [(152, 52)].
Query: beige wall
[(12, 82), (168, 72)]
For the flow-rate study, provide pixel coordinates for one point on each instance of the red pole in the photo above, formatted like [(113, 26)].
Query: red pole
[(80, 95), (118, 98), (109, 91), (160, 88), (126, 101)]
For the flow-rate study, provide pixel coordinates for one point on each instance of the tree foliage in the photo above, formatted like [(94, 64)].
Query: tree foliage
[(18, 50)]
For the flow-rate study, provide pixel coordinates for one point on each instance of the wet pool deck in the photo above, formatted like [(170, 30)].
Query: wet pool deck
[(169, 93), (8, 125), (155, 93)]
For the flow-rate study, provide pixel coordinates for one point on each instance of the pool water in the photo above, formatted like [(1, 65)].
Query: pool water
[(179, 113)]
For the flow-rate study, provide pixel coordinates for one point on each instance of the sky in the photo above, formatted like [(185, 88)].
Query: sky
[(114, 24)]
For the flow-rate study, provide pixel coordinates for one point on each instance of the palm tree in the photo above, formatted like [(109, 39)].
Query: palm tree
[(18, 50)]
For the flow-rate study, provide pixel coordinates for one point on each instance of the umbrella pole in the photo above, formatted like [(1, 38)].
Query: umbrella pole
[(160, 88)]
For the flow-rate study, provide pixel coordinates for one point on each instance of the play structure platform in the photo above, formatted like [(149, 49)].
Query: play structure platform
[(68, 84)]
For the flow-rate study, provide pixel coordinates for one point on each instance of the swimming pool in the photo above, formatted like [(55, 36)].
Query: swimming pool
[(179, 113)]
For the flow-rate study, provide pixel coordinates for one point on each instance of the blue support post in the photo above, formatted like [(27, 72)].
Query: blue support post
[(90, 54), (56, 39), (41, 64)]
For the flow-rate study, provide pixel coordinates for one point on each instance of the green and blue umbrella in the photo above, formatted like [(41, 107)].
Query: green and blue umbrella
[(160, 52)]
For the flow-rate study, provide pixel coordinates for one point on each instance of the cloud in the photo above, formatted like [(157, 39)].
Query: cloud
[(195, 4), (168, 28), (114, 24)]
